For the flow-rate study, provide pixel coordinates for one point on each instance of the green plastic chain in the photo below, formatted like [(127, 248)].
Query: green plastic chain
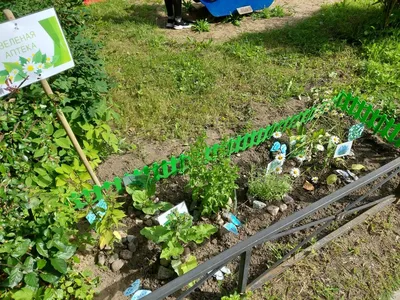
[(354, 107)]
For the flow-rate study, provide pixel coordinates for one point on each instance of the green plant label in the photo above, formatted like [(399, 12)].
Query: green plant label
[(32, 48), (181, 208)]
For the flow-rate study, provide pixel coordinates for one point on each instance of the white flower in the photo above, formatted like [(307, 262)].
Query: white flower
[(320, 147), (280, 157), (293, 142), (278, 170), (295, 172), (326, 109), (301, 157), (341, 115), (335, 139), (327, 134), (40, 66), (30, 68), (277, 134), (334, 113), (48, 59), (314, 179)]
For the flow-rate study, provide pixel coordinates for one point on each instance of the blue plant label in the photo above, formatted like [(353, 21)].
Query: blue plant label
[(140, 294), (234, 220), (91, 216), (356, 131), (272, 165), (232, 228), (275, 147), (343, 149), (138, 180), (283, 149), (133, 288)]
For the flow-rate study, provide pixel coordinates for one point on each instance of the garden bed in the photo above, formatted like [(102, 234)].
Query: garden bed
[(369, 152)]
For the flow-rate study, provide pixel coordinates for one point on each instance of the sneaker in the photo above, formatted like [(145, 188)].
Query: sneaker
[(170, 23), (182, 25)]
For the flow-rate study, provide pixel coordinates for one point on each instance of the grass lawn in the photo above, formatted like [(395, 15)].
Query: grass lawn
[(167, 89)]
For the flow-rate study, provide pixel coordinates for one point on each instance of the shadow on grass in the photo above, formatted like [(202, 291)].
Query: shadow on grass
[(328, 30)]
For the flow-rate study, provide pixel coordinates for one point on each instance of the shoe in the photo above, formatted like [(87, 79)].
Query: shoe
[(182, 25), (170, 23)]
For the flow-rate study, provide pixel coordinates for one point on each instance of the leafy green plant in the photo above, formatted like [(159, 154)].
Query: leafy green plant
[(212, 185), (269, 187), (235, 19), (141, 201), (263, 14), (201, 26), (278, 11), (188, 5), (106, 226), (234, 296), (177, 232)]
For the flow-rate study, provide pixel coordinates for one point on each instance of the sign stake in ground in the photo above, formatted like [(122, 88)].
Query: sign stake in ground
[(15, 69)]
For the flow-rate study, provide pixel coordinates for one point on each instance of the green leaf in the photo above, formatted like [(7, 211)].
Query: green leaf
[(39, 153), (63, 142), (357, 167), (67, 252), (21, 249), (32, 280), (199, 233), (49, 129), (59, 133), (49, 294), (157, 234), (28, 264), (48, 277), (59, 264), (37, 58), (25, 293), (189, 264), (41, 263), (40, 248), (15, 277), (172, 250), (331, 179)]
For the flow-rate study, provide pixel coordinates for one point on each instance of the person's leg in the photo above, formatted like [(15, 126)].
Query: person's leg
[(169, 4), (179, 22)]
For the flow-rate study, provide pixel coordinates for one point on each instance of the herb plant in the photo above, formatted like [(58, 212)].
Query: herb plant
[(201, 26), (142, 201), (269, 187), (176, 233), (212, 185)]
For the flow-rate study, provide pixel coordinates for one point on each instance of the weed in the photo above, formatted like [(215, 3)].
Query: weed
[(263, 14), (235, 19), (269, 187), (278, 12), (201, 26), (187, 5)]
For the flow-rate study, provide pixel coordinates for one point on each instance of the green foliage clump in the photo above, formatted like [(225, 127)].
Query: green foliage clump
[(177, 232), (201, 26), (269, 187), (213, 185)]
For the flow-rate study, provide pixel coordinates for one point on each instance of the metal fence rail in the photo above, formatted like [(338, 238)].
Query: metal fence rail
[(281, 228)]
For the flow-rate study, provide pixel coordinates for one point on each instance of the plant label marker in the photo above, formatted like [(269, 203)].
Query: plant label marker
[(34, 48), (245, 10), (356, 131), (181, 208), (91, 216), (343, 149)]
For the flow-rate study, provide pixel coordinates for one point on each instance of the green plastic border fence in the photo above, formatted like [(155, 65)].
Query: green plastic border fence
[(353, 106)]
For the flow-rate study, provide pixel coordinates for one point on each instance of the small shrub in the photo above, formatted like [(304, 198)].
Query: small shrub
[(278, 12), (201, 26), (269, 187)]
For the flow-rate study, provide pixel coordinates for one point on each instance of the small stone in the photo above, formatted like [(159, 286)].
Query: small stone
[(273, 210), (164, 262), (107, 247), (283, 207), (101, 259), (139, 222), (156, 200), (192, 246), (238, 155), (164, 273), (258, 204), (186, 251), (132, 246), (148, 222), (220, 222), (287, 199), (214, 241), (117, 265), (113, 258), (130, 238), (125, 254), (147, 217), (131, 212)]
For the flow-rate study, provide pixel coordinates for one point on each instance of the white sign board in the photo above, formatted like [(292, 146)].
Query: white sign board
[(32, 48), (181, 208)]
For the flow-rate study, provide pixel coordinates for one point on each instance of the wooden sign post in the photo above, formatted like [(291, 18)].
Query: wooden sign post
[(46, 87)]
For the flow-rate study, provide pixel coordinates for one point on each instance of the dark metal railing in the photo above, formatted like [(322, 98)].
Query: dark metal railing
[(280, 229)]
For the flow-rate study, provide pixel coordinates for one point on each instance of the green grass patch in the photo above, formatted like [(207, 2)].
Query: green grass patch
[(166, 89)]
